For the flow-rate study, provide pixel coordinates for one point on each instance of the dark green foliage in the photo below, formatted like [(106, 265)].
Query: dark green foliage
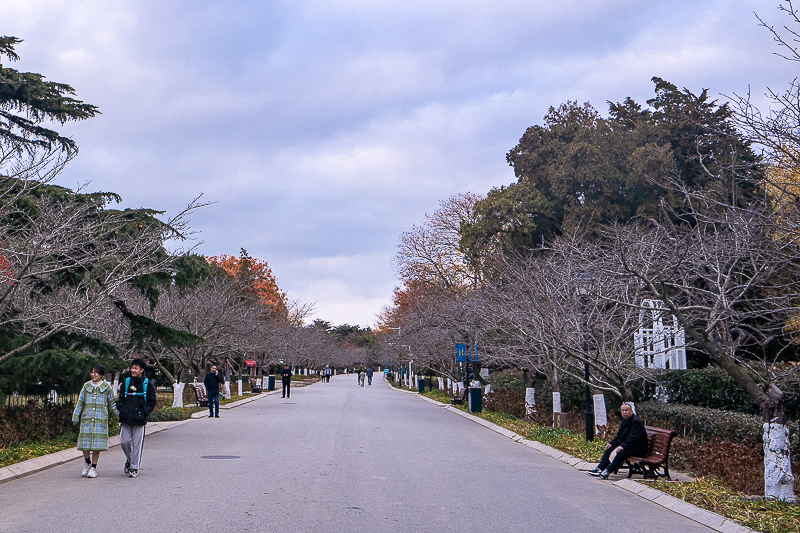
[(60, 369), (713, 388), (31, 423), (348, 335), (702, 423), (145, 330), (580, 168), (27, 100), (192, 269), (170, 414)]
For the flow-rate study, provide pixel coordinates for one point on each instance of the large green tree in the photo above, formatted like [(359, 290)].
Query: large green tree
[(28, 100), (579, 167)]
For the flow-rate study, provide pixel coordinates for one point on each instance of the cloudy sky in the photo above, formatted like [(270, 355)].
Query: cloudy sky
[(322, 129)]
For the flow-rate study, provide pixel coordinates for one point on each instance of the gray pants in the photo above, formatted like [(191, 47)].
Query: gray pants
[(132, 440)]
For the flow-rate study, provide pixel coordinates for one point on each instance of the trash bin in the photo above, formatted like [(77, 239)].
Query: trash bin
[(475, 399), (271, 383), (421, 384)]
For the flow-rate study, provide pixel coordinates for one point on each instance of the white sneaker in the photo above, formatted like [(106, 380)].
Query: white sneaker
[(92, 472), (85, 470)]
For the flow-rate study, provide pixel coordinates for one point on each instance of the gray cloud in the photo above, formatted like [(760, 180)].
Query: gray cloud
[(322, 130)]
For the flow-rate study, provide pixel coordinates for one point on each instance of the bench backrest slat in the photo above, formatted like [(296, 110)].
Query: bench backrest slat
[(658, 441)]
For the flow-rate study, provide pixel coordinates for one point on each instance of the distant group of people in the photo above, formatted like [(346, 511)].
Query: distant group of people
[(134, 403), (365, 375)]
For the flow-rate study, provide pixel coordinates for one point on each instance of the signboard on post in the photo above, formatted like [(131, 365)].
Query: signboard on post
[(461, 353)]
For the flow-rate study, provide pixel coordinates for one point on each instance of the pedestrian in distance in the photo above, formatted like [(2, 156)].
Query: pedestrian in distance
[(631, 441), (286, 381), (361, 377), (95, 402), (369, 375), (212, 382), (136, 400)]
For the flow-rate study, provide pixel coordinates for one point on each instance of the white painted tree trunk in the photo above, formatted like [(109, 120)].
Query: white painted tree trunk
[(441, 383), (239, 386), (227, 390), (177, 394), (530, 400), (778, 478)]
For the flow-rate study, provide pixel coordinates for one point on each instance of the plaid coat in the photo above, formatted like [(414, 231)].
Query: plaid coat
[(92, 409)]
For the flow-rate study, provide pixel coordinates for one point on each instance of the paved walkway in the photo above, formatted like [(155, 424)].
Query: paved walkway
[(336, 457)]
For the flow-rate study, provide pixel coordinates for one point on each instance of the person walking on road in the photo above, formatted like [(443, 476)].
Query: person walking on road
[(212, 382), (96, 400), (136, 400), (631, 441), (361, 377), (369, 376), (286, 381)]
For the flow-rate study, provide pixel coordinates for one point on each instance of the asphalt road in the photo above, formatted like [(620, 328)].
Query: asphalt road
[(334, 457)]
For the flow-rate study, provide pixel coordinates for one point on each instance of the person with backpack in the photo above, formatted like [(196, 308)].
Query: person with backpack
[(95, 402), (136, 400)]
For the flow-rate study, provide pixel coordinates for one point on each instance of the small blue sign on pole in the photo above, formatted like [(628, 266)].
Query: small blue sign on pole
[(461, 353)]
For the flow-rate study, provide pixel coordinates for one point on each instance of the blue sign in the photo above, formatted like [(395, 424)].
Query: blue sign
[(461, 353)]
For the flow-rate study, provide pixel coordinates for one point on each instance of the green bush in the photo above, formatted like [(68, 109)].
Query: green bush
[(713, 388), (32, 422), (171, 414), (703, 423)]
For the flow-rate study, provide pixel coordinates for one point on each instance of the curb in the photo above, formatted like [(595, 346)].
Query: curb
[(37, 464), (676, 505)]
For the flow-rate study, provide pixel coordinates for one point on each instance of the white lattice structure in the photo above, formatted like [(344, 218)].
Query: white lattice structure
[(662, 345)]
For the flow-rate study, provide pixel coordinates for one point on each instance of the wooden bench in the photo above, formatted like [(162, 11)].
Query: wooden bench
[(458, 400), (656, 464), (200, 394)]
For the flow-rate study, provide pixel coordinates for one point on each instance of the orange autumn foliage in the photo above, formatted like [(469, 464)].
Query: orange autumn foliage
[(256, 279)]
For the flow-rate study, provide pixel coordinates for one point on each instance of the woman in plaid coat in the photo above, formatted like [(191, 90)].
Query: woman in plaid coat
[(94, 403)]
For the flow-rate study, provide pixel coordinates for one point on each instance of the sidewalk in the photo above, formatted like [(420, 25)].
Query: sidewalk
[(702, 516), (37, 464)]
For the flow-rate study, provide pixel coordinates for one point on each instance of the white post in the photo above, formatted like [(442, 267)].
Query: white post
[(556, 402), (239, 386), (530, 400), (441, 383), (600, 414), (227, 389)]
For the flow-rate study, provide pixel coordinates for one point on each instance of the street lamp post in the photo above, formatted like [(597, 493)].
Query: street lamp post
[(585, 281)]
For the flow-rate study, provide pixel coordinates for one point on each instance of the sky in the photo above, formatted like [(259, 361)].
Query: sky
[(320, 130)]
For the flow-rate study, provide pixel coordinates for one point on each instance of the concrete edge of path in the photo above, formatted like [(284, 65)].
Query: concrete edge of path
[(676, 505), (37, 464)]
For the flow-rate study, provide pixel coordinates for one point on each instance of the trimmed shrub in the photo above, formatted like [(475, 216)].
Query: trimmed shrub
[(702, 423), (32, 422), (170, 414), (511, 401)]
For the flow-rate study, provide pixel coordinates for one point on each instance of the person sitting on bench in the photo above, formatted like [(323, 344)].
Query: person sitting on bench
[(631, 440)]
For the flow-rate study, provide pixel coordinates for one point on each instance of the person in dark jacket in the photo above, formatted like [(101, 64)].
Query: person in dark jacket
[(286, 380), (136, 400), (212, 382), (631, 441)]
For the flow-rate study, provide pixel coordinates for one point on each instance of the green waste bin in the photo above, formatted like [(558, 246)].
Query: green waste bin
[(421, 385), (475, 399), (271, 383)]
